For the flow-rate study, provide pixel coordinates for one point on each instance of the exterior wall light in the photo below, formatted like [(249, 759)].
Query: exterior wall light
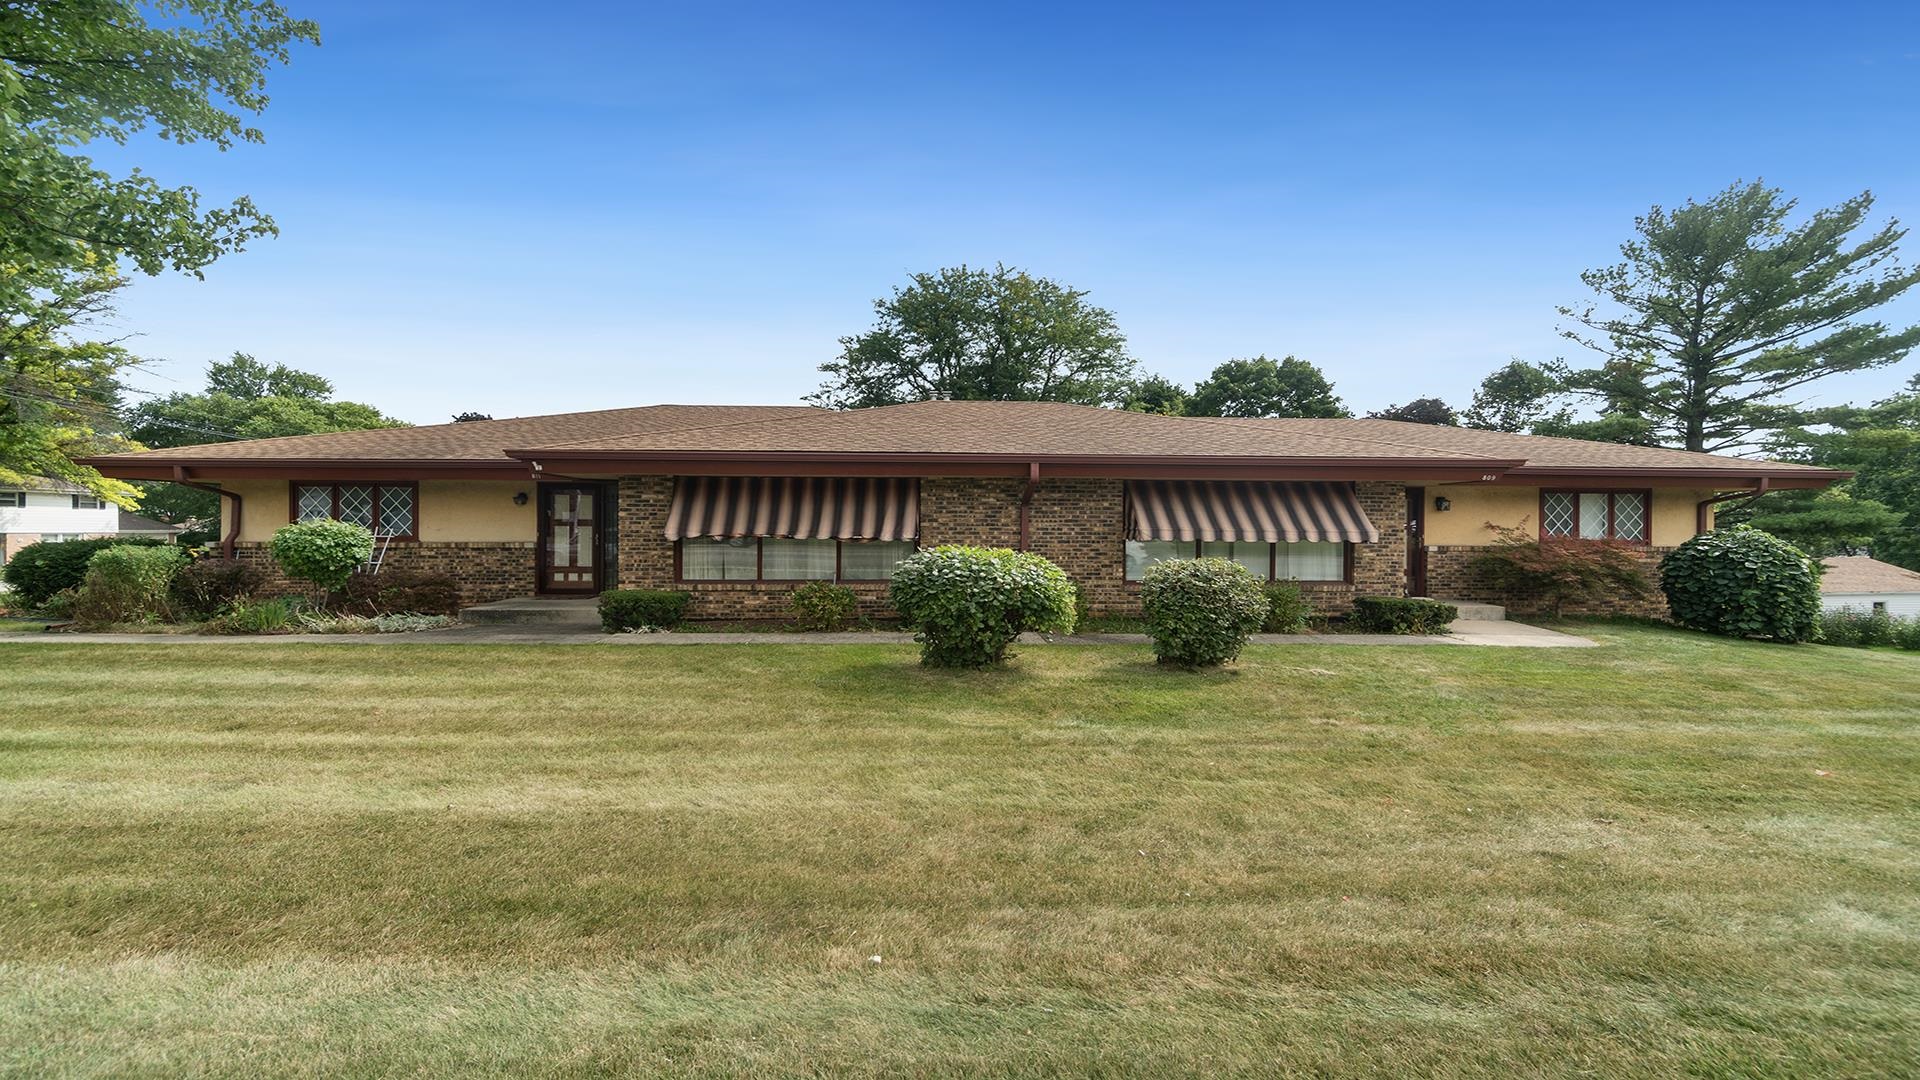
[(519, 498), (1441, 502)]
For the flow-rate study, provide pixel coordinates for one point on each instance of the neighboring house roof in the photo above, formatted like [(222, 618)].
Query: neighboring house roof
[(902, 437), (1855, 574), (131, 522), (47, 484)]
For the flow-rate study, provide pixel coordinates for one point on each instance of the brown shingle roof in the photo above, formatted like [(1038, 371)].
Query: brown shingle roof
[(1001, 429), (1861, 574), (1014, 428), (1539, 451), (476, 440)]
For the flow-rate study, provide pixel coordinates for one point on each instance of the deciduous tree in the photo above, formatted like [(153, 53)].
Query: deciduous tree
[(1263, 387), (1426, 410), (981, 335)]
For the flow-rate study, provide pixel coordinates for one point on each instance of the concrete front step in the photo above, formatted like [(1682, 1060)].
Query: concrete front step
[(535, 611), (1475, 611)]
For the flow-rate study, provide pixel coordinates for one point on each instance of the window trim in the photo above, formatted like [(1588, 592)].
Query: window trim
[(760, 564), (1646, 495), (293, 500), (1273, 561), (98, 502)]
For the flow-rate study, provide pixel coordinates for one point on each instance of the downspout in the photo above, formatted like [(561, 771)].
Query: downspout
[(1026, 500), (233, 527), (1700, 508)]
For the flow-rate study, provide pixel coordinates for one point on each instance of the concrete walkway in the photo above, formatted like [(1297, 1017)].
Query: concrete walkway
[(1497, 634)]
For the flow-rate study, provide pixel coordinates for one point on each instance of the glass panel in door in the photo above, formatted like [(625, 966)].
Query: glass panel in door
[(569, 538)]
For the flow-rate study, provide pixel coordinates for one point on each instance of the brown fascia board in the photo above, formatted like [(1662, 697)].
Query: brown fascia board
[(166, 468), (1111, 466), (1620, 476)]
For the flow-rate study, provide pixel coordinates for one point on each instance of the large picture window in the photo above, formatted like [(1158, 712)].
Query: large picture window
[(387, 509), (748, 558), (1596, 515), (1302, 561)]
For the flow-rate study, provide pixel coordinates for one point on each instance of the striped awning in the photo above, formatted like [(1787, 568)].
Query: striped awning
[(796, 507), (1250, 510)]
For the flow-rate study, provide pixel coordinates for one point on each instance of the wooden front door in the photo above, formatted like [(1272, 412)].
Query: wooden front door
[(569, 538), (1416, 541)]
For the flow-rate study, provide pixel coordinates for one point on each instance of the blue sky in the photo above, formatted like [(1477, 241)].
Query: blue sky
[(519, 209)]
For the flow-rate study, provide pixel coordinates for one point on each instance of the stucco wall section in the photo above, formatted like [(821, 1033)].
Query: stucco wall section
[(476, 510), (451, 511), (1475, 506)]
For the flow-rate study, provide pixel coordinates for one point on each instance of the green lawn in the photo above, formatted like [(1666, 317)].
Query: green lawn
[(1671, 855)]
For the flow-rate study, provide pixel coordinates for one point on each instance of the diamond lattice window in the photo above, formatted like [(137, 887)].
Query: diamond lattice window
[(396, 511), (315, 503), (356, 505), (1556, 514), (1630, 516), (1595, 515), (387, 509)]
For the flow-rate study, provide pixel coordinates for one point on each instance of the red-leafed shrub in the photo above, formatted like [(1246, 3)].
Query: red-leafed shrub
[(1563, 570)]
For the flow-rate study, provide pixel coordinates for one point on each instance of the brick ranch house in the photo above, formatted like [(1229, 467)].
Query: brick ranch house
[(740, 504)]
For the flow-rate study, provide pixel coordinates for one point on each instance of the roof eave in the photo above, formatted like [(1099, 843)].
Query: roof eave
[(145, 467), (564, 460)]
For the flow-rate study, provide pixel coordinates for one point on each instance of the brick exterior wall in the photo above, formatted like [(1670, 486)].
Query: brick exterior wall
[(1079, 524), (485, 571), (1451, 576)]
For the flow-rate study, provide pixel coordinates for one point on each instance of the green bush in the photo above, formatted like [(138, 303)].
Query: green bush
[(254, 617), (1200, 612), (822, 605), (1906, 634), (1287, 611), (1558, 570), (323, 552), (397, 592), (127, 583), (633, 609), (1856, 629), (37, 571), (205, 587), (1741, 582), (968, 604), (1400, 615)]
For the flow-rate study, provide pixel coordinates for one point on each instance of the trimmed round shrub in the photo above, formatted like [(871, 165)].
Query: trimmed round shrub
[(1741, 582), (1287, 610), (1200, 612), (822, 605), (127, 583), (968, 604), (37, 571), (206, 587), (323, 552)]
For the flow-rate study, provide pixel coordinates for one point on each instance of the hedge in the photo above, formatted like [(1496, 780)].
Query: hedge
[(37, 571), (1401, 615), (633, 609)]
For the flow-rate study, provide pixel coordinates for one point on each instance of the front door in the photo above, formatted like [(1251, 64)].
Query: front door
[(1416, 541), (569, 538)]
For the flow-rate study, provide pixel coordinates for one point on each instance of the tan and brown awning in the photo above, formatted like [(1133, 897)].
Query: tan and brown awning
[(796, 507), (1248, 510)]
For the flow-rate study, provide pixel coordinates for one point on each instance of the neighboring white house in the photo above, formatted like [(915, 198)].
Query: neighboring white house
[(56, 510), (1864, 584)]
